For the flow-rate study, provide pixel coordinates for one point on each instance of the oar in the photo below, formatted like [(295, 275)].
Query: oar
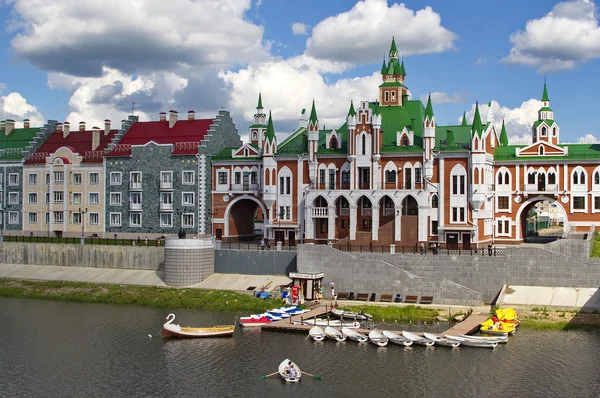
[(265, 376), (313, 376)]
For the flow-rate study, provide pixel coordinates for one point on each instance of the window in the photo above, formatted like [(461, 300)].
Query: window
[(47, 197), (386, 96), (541, 151), (166, 220), (13, 179), (115, 178), (222, 177), (33, 199), (579, 202), (58, 217), (187, 177), (458, 214), (187, 199), (575, 178), (187, 220), (33, 178), (454, 185), (544, 131), (502, 202), (115, 198), (390, 176), (597, 203), (13, 217), (13, 198), (434, 228), (238, 177), (281, 186), (76, 218), (408, 178), (166, 179), (93, 219), (254, 137), (597, 177), (288, 186), (166, 200), (254, 177), (281, 213), (434, 201), (331, 179), (115, 219), (364, 144), (418, 175), (136, 180), (47, 218), (59, 197), (135, 198), (77, 178), (94, 198), (554, 132), (345, 177), (135, 219), (32, 218), (461, 213), (76, 198), (393, 96), (94, 178), (531, 178), (462, 185), (344, 223), (551, 178), (322, 176), (47, 178), (59, 177), (288, 215), (503, 227)]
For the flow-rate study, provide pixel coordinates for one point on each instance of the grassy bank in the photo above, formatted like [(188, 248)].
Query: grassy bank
[(392, 313), (544, 319), (596, 246), (141, 295)]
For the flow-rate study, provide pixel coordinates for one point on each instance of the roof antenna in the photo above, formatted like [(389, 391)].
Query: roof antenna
[(132, 108)]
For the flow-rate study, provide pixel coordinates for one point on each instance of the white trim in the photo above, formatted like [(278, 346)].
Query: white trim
[(89, 201), (80, 178), (29, 175), (10, 183), (193, 220), (585, 202), (90, 178), (97, 218), (10, 215), (193, 177), (163, 225), (116, 194), (73, 198), (110, 219), (131, 215), (116, 173), (193, 199)]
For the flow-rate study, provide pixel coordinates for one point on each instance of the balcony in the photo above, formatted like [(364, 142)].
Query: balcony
[(388, 211), (344, 211), (166, 185), (135, 185), (320, 212), (243, 188), (135, 206), (166, 206), (366, 212)]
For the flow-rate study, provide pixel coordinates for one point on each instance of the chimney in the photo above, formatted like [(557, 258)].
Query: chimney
[(163, 116), (95, 138), (81, 126), (106, 127), (26, 124), (59, 127), (172, 118), (191, 115), (9, 127), (66, 129)]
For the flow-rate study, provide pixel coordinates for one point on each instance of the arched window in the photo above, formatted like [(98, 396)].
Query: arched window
[(551, 178), (254, 136), (364, 144), (554, 132), (541, 151), (404, 140), (531, 178), (500, 182), (575, 178), (506, 178), (334, 143), (582, 178), (597, 178), (544, 131), (390, 176), (434, 201)]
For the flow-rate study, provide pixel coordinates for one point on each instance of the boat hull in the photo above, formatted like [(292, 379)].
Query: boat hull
[(397, 339), (378, 339), (354, 335), (288, 379), (174, 333), (334, 334), (316, 333), (439, 340), (473, 343), (418, 339)]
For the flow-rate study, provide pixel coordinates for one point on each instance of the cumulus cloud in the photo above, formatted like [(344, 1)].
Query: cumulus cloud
[(439, 97), (299, 29), (15, 106), (588, 139), (559, 40), (362, 34)]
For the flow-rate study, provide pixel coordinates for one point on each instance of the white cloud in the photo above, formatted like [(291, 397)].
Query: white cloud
[(439, 97), (588, 139), (559, 40), (15, 106), (299, 29), (362, 34)]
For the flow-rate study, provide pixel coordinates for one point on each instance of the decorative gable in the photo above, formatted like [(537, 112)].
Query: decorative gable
[(333, 140), (405, 137), (245, 151), (542, 148)]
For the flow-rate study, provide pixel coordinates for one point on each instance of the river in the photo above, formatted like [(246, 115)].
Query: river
[(66, 349)]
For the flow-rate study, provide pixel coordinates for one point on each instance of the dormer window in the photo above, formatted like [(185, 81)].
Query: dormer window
[(334, 143), (404, 140), (544, 131)]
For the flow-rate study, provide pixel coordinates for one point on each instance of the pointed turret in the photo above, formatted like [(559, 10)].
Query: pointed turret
[(351, 111), (393, 49), (503, 135), (545, 94), (402, 69), (477, 125), (260, 105), (313, 121), (429, 109), (383, 68), (464, 120), (270, 133)]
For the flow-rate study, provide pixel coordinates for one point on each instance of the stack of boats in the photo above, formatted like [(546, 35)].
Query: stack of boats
[(276, 314), (503, 323)]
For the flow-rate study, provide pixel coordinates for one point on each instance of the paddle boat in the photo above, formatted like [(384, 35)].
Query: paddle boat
[(378, 338), (497, 328), (317, 333), (289, 371), (397, 339), (258, 320), (439, 340), (361, 316), (472, 342), (354, 335), (418, 339), (334, 334), (173, 330), (508, 315)]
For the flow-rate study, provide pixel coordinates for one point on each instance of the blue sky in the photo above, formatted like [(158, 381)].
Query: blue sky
[(110, 56)]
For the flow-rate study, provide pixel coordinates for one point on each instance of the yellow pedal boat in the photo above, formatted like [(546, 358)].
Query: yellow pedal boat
[(503, 328)]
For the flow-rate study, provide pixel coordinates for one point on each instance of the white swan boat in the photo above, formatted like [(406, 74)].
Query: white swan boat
[(497, 339), (397, 339), (418, 339), (334, 334), (316, 333), (439, 340), (289, 376), (473, 343), (170, 329), (354, 335), (325, 322), (378, 338)]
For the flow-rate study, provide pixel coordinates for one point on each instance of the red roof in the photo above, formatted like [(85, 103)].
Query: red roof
[(77, 141), (184, 136)]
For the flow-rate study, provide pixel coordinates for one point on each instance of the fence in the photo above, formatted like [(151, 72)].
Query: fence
[(397, 249), (251, 246), (88, 241)]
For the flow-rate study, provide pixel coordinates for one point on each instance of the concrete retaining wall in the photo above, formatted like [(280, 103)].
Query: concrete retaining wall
[(255, 262), (73, 255)]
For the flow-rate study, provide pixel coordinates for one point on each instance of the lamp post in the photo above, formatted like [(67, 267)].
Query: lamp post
[(82, 212), (212, 214), (1, 224)]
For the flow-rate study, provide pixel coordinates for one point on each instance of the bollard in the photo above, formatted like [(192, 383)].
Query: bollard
[(410, 326)]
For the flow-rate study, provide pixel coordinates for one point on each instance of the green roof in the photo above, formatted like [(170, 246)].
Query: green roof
[(391, 84), (402, 70), (383, 68), (270, 129), (429, 109), (460, 138), (258, 126), (351, 111), (545, 94), (342, 132), (313, 114), (464, 120), (395, 118), (17, 141), (545, 109), (296, 143), (259, 106), (575, 152), (549, 122), (477, 125), (503, 135), (393, 49)]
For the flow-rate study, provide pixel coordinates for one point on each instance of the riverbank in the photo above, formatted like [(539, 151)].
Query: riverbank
[(154, 296)]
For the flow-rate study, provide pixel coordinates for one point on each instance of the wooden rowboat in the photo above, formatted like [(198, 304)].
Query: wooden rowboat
[(378, 338), (334, 334), (354, 335), (397, 339), (437, 339), (492, 339), (284, 366), (316, 333), (418, 339), (173, 330), (473, 343)]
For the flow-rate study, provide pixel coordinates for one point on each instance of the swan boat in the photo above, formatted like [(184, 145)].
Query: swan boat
[(492, 339), (334, 334), (284, 366), (353, 315), (354, 335), (473, 343), (397, 339), (171, 329), (325, 322), (439, 340), (316, 333), (418, 339), (378, 338)]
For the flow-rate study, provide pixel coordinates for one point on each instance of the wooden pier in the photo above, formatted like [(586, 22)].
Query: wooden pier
[(468, 326)]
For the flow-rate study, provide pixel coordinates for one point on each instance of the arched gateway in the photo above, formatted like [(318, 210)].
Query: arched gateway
[(241, 216)]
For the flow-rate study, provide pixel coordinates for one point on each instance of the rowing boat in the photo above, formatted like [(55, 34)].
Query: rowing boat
[(361, 316), (397, 339), (437, 339), (354, 335), (418, 339), (491, 339), (173, 330), (284, 368), (334, 334), (316, 333), (326, 322), (378, 338), (473, 343)]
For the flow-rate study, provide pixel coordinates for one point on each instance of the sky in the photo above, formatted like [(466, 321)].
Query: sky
[(89, 60)]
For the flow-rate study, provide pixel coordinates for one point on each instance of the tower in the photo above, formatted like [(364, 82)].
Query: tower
[(392, 91), (545, 128), (258, 129), (429, 138), (313, 142), (269, 167)]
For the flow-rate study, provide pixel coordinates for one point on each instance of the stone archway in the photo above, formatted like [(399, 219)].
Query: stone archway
[(409, 222), (536, 214), (240, 218)]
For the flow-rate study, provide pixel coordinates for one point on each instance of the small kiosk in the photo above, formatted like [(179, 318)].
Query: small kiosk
[(310, 284)]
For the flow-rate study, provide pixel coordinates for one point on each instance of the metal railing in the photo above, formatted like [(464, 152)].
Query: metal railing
[(416, 250), (252, 246), (88, 241)]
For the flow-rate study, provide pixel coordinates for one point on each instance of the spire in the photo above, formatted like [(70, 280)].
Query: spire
[(545, 94), (383, 68), (270, 134), (464, 120), (503, 135), (351, 112), (393, 49), (402, 70), (429, 109), (477, 125), (260, 105), (313, 114)]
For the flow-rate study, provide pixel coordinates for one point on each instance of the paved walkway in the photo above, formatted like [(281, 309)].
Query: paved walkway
[(546, 296)]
